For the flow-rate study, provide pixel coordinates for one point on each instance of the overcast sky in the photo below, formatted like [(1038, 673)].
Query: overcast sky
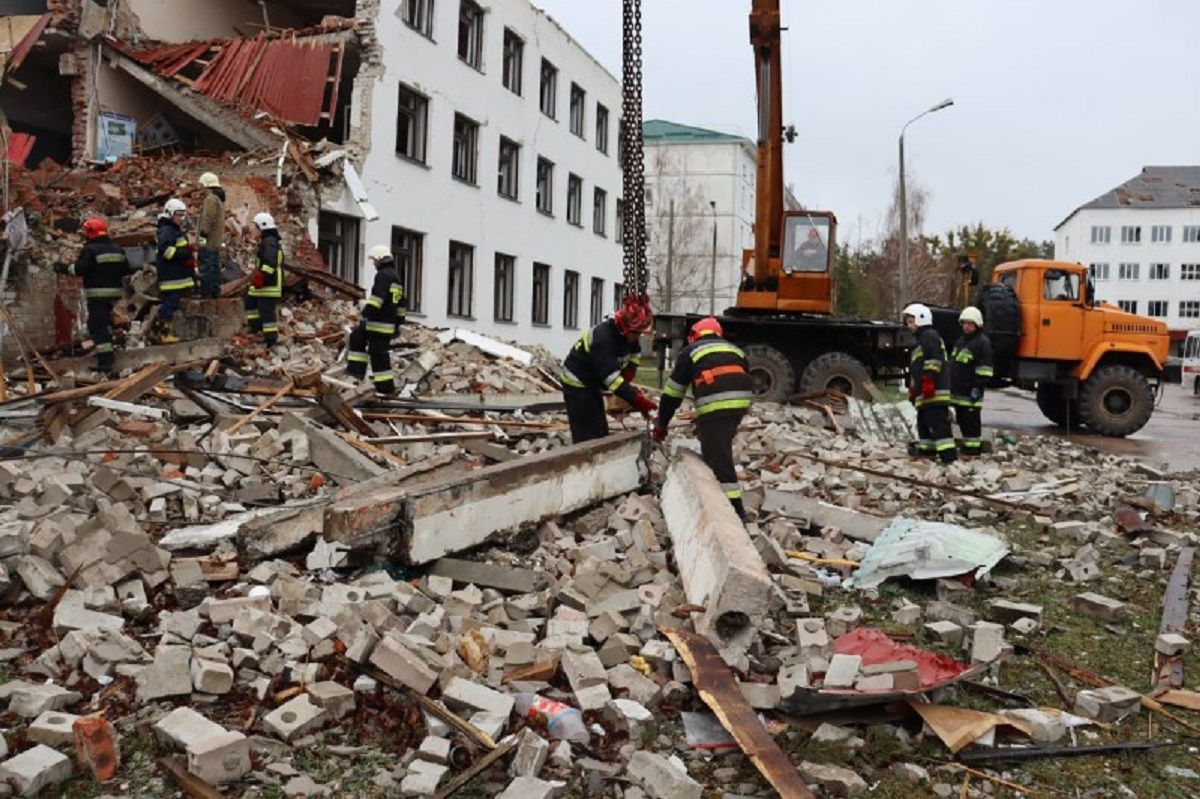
[(1056, 101)]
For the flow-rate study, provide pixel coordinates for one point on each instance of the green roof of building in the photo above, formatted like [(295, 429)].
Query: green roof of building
[(661, 130)]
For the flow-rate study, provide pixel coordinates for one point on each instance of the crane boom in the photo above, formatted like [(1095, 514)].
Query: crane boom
[(766, 39)]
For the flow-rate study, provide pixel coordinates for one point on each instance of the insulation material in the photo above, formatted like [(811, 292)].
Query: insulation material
[(927, 551)]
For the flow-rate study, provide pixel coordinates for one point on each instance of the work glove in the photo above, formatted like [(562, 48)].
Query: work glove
[(976, 394), (201, 241), (629, 373), (61, 268), (258, 279), (643, 404), (928, 388), (659, 434)]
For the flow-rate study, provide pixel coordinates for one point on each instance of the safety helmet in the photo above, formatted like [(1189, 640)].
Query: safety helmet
[(380, 253), (210, 181), (971, 314), (634, 316), (920, 312), (94, 228), (708, 326), (174, 206), (264, 221)]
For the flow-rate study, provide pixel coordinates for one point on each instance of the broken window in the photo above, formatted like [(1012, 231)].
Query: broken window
[(466, 148), (602, 129), (412, 125), (508, 178), (578, 106), (418, 15), (459, 285), (409, 248), (503, 287), (575, 200), (545, 186), (549, 95), (541, 294), (597, 302), (570, 299), (599, 210), (470, 33), (514, 59)]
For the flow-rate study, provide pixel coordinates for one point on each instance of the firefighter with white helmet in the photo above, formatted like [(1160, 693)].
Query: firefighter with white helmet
[(971, 370), (175, 264), (266, 281), (382, 316), (210, 235), (929, 386)]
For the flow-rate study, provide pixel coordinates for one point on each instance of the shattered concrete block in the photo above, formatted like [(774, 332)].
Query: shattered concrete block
[(842, 671), (791, 678), (182, 725), (911, 773), (530, 788), (52, 728), (471, 696), (1107, 705), (987, 641), (1006, 611), (660, 778), (532, 752), (1171, 644), (295, 717), (760, 696), (334, 698), (843, 620), (907, 614), (422, 778), (169, 674), (945, 632), (948, 611), (400, 663), (1100, 607), (812, 638), (831, 733), (1024, 625), (1045, 728), (35, 769), (219, 757), (30, 701), (211, 677), (434, 749), (835, 780)]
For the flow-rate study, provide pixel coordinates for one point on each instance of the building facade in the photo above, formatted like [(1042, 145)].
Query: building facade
[(1141, 242)]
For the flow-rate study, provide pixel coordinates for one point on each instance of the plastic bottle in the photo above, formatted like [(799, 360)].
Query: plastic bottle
[(562, 722)]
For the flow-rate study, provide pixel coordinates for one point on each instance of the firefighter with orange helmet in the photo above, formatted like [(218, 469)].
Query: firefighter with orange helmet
[(103, 266), (718, 376), (605, 358)]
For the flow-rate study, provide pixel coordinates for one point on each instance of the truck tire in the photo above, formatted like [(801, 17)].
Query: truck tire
[(1116, 401), (1052, 405), (772, 373), (838, 371)]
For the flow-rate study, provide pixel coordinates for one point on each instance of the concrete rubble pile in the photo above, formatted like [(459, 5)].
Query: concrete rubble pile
[(323, 596)]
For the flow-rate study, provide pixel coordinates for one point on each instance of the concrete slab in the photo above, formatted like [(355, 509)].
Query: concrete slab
[(331, 454), (852, 523)]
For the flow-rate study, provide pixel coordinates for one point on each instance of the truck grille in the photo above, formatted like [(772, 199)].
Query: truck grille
[(1129, 327)]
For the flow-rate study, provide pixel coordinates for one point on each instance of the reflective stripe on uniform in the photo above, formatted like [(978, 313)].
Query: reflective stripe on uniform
[(732, 490), (253, 315), (103, 293), (357, 357), (614, 381), (984, 371), (709, 349), (964, 356), (673, 389), (966, 402), (110, 258), (104, 347), (724, 401), (932, 366), (374, 301), (382, 377), (381, 328), (943, 444), (269, 327), (176, 285), (568, 379)]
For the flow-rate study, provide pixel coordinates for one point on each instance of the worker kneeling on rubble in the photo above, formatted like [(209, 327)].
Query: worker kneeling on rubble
[(605, 357), (210, 236), (266, 281), (929, 386), (970, 372), (382, 315), (718, 374), (104, 268), (176, 266)]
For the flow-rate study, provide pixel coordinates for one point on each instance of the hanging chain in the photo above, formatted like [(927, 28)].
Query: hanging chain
[(634, 179)]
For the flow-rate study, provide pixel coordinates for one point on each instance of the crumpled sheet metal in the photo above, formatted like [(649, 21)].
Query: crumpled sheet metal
[(926, 551)]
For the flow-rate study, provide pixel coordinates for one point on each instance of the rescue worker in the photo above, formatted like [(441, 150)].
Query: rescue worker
[(929, 386), (176, 267), (210, 236), (382, 315), (605, 358), (717, 373), (103, 267), (266, 281), (970, 372)]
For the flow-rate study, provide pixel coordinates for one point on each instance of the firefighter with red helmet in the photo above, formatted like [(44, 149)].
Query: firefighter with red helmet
[(605, 358), (103, 266), (718, 376)]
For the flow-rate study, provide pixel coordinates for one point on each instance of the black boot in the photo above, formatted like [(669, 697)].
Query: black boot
[(739, 508)]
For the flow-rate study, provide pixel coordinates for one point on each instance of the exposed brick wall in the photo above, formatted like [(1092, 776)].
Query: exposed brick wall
[(30, 301)]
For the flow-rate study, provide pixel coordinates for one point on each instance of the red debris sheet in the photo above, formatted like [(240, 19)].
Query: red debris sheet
[(294, 80), (26, 44), (20, 145), (875, 647)]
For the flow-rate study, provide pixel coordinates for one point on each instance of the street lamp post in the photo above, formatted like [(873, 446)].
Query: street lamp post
[(904, 298), (712, 276)]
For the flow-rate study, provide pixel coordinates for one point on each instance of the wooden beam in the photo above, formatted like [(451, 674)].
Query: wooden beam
[(262, 406)]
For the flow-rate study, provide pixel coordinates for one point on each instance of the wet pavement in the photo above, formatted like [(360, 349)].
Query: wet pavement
[(1170, 438)]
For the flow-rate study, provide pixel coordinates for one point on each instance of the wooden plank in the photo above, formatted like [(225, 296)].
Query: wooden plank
[(477, 768), (419, 418), (192, 785), (262, 406), (131, 388), (1168, 670), (419, 438), (1179, 698), (370, 449), (715, 682), (336, 407), (82, 392)]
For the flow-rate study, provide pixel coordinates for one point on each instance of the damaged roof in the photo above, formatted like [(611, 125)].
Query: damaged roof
[(1154, 187)]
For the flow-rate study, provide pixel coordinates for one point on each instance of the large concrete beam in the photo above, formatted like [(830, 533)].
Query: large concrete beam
[(720, 567), (204, 349), (423, 523)]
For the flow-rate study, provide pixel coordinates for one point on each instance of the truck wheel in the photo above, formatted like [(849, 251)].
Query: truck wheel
[(772, 373), (1052, 405), (1116, 401), (838, 371)]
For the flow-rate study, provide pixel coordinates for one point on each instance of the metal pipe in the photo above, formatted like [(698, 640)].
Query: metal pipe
[(712, 277), (904, 287)]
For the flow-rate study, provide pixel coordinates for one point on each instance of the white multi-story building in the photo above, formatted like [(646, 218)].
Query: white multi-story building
[(1141, 242), (493, 164)]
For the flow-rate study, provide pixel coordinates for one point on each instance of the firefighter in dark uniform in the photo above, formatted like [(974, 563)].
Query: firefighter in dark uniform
[(382, 316), (929, 386), (266, 281), (176, 268), (605, 358), (103, 267), (971, 370), (718, 375)]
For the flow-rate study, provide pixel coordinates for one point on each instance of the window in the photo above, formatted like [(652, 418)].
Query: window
[(412, 124), (514, 60), (1060, 285), (618, 294), (1191, 234), (570, 299), (602, 129), (1131, 234), (648, 197), (1160, 234), (466, 151), (578, 104), (1189, 309), (575, 200), (541, 294), (549, 95), (545, 186), (596, 314), (507, 182), (1129, 306), (1189, 271), (620, 143), (409, 247), (1099, 271), (458, 287), (503, 287), (1128, 271), (1160, 271), (620, 221), (599, 210), (1101, 235), (418, 15), (1157, 308), (470, 33), (337, 241)]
